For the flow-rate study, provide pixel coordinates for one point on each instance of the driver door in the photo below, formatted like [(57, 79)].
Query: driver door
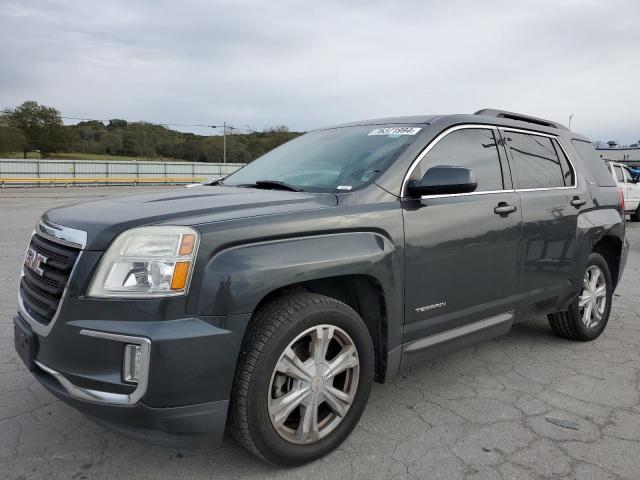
[(461, 255)]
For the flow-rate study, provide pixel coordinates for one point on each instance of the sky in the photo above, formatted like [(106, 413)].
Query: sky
[(258, 64)]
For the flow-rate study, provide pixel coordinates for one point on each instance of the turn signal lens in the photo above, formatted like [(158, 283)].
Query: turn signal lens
[(187, 243), (180, 275)]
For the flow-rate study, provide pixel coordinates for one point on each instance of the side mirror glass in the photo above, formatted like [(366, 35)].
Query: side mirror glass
[(442, 180)]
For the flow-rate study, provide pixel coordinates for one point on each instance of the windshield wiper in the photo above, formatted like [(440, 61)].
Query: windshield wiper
[(274, 184)]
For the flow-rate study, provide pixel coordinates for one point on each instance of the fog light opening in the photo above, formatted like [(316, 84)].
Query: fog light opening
[(132, 363)]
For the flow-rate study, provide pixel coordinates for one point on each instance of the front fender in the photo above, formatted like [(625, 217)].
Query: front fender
[(236, 279)]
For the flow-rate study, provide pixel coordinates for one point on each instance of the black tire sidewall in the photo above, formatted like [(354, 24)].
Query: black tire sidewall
[(273, 447), (592, 333)]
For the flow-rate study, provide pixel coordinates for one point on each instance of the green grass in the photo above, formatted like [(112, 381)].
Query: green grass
[(85, 156)]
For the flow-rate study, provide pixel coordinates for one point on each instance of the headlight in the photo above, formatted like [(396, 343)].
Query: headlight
[(147, 262)]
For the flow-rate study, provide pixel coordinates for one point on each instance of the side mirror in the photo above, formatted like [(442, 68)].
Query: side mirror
[(442, 180)]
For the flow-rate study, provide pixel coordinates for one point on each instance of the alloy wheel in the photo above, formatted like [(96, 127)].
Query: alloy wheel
[(593, 299), (313, 384)]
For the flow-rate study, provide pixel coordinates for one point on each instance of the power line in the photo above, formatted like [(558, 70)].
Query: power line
[(161, 124)]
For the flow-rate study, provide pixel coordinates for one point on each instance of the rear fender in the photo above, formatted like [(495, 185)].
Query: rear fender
[(593, 226)]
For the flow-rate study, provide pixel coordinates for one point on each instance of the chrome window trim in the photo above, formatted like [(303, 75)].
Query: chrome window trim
[(437, 139), (530, 132), (433, 143), (100, 396), (468, 194), (65, 236)]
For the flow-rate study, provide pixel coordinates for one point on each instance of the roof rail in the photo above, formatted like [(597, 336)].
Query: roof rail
[(522, 118)]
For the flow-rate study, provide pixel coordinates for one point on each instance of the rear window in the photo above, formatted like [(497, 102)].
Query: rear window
[(594, 163)]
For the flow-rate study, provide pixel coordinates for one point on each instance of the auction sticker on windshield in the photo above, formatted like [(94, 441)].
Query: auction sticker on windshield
[(395, 131)]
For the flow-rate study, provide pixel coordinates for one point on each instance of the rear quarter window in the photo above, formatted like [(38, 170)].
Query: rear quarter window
[(594, 163)]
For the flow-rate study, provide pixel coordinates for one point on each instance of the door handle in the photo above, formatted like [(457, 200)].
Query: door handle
[(577, 202), (504, 208)]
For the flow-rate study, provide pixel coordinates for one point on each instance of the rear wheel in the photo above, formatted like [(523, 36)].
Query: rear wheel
[(588, 315), (303, 379), (635, 216)]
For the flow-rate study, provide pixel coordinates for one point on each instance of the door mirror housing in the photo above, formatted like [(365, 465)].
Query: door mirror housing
[(443, 180)]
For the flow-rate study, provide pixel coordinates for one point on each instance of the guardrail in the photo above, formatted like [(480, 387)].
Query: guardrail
[(33, 173)]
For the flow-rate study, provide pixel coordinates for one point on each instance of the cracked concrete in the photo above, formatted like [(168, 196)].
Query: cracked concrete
[(479, 413)]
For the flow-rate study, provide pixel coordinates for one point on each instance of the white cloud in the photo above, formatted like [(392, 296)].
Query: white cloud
[(304, 64)]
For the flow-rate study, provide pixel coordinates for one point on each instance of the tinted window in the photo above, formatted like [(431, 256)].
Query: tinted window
[(619, 174), (594, 163), (536, 162), (473, 148)]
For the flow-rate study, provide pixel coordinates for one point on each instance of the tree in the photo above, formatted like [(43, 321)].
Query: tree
[(41, 127), (11, 138), (116, 123)]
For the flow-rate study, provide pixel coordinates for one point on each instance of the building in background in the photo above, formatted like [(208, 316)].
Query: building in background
[(613, 152)]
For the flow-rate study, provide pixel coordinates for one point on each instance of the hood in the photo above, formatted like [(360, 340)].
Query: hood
[(104, 219)]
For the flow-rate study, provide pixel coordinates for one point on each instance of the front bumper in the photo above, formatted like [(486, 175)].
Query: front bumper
[(188, 425), (182, 396)]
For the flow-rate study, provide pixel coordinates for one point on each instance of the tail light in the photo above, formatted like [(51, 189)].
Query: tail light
[(621, 199)]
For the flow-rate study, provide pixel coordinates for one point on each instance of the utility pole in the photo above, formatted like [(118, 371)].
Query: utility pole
[(224, 142)]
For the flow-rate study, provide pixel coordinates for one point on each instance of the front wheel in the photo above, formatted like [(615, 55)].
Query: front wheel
[(588, 315), (303, 378)]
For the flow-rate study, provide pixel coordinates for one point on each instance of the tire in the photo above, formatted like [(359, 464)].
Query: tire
[(291, 326), (635, 216), (576, 323)]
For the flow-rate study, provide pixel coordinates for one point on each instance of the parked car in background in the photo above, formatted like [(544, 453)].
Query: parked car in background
[(628, 183), (635, 172), (206, 181), (268, 302)]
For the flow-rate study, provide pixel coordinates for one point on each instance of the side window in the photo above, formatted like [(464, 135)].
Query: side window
[(537, 164), (619, 174), (627, 176), (473, 148)]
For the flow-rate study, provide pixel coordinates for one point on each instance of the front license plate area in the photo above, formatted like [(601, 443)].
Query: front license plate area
[(25, 343)]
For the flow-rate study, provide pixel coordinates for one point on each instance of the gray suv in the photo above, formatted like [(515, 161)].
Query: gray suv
[(267, 303)]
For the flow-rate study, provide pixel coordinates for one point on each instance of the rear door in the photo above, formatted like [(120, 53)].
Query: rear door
[(551, 198)]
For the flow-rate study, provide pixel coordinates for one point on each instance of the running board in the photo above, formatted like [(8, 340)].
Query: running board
[(440, 343)]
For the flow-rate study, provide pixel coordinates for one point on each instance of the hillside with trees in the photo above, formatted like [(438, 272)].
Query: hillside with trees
[(32, 127)]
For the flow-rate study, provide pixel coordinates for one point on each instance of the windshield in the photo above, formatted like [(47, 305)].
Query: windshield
[(339, 159)]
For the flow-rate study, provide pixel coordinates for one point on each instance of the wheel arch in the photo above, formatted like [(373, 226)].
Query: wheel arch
[(364, 294), (610, 247)]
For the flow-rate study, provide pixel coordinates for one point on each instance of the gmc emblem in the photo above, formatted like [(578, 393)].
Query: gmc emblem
[(34, 260)]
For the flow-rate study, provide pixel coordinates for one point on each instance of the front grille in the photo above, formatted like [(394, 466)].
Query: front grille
[(41, 294)]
